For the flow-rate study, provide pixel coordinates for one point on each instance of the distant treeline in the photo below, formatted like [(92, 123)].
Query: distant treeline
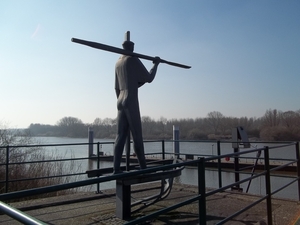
[(275, 125)]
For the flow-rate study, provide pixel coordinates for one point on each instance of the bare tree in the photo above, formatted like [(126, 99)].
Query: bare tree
[(280, 126), (69, 121), (97, 122), (72, 127), (271, 118), (162, 125), (214, 119), (289, 118), (148, 126), (227, 123)]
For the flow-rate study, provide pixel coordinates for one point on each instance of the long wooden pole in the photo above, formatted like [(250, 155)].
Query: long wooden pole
[(124, 52)]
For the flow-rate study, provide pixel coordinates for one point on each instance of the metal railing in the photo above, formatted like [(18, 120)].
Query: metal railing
[(7, 161), (18, 215), (201, 168)]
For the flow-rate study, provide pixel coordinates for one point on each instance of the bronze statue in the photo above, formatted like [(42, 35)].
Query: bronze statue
[(130, 74)]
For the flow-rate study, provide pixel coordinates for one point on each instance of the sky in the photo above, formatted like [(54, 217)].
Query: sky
[(244, 57)]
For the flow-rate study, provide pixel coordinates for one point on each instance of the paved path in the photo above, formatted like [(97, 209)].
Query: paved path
[(90, 208)]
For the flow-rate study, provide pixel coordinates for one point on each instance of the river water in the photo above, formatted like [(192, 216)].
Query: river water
[(189, 175)]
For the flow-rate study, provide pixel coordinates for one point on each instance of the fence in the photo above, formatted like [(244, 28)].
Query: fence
[(201, 162)]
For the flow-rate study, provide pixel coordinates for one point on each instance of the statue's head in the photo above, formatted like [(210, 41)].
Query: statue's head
[(128, 45)]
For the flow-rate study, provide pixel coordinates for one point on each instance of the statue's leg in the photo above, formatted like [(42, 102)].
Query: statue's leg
[(135, 124), (122, 131)]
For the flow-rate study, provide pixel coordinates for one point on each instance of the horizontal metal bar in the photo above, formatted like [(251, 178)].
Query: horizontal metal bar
[(229, 142), (233, 154), (241, 211), (59, 187), (181, 141), (281, 146), (282, 166), (189, 201), (41, 178), (234, 184), (52, 145), (286, 185), (246, 168), (45, 161), (19, 215), (164, 210)]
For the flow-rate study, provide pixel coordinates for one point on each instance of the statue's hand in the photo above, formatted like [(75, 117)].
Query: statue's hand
[(140, 84), (156, 60)]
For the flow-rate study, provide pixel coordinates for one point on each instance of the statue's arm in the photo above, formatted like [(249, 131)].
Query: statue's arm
[(142, 73), (154, 68)]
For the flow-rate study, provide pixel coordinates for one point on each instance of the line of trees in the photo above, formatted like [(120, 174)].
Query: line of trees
[(275, 125)]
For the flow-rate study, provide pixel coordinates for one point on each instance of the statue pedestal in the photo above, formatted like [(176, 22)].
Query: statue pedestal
[(123, 189), (123, 200)]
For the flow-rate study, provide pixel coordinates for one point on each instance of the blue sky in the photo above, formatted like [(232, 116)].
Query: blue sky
[(244, 57)]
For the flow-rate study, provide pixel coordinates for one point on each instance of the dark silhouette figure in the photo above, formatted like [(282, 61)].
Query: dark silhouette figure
[(130, 74)]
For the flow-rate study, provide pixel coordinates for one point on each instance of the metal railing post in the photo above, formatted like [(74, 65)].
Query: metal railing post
[(201, 192), (219, 164), (163, 149), (6, 169), (98, 165), (298, 167), (268, 185)]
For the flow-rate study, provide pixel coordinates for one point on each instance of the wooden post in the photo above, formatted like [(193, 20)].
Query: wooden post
[(91, 141), (176, 150)]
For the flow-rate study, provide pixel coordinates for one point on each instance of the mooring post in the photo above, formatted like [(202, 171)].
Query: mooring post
[(235, 146), (237, 168), (239, 137), (91, 141), (176, 150), (219, 163)]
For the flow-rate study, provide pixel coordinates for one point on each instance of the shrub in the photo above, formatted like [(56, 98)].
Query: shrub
[(30, 162)]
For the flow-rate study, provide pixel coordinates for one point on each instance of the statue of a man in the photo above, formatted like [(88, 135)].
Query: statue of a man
[(130, 74)]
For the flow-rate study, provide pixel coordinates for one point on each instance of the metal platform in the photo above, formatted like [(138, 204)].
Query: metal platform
[(123, 186)]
